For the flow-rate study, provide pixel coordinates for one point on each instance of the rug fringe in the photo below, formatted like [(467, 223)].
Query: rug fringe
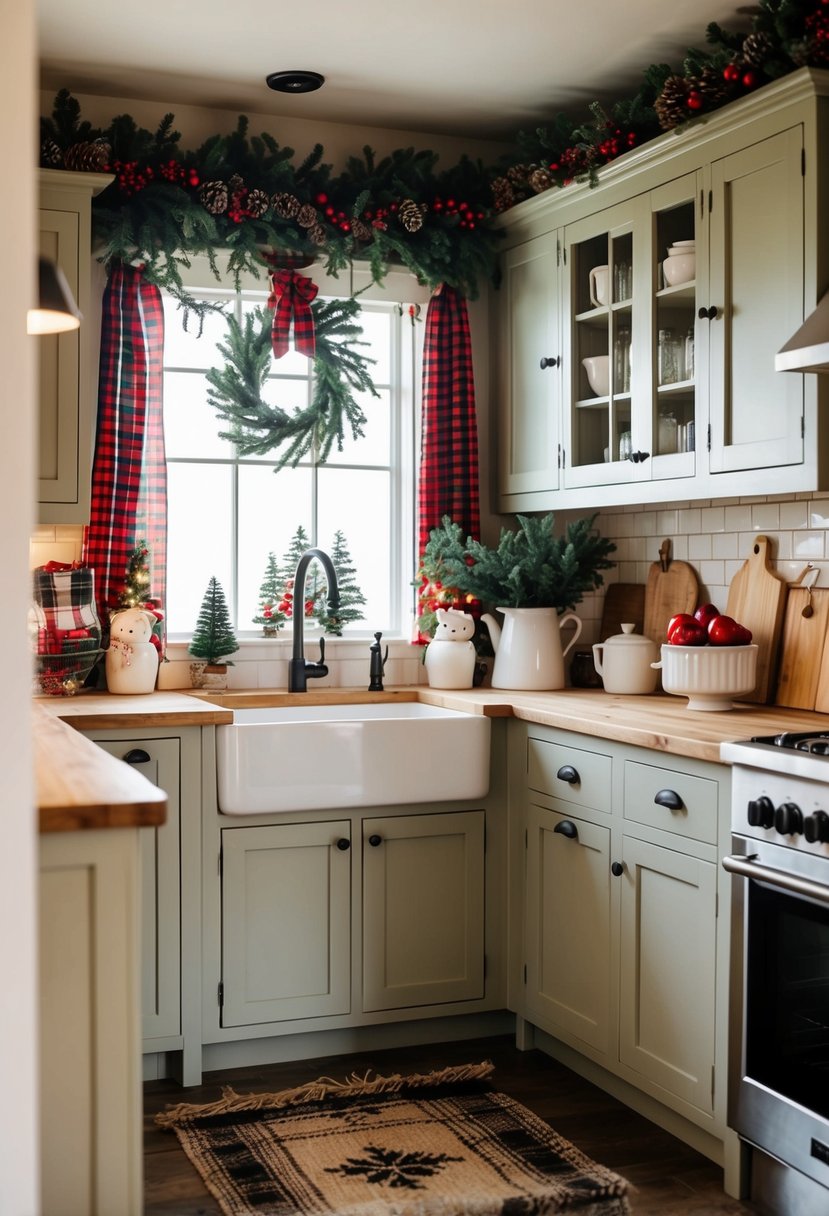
[(324, 1087)]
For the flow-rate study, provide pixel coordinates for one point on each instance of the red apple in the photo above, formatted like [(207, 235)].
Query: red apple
[(681, 618), (706, 613), (725, 631), (689, 633)]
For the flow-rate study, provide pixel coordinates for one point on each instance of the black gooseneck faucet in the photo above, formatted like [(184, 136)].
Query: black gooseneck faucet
[(300, 671)]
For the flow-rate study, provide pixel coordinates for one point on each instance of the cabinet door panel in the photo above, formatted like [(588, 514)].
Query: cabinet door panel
[(530, 394), (59, 354), (668, 961), (568, 923), (757, 284), (285, 922), (423, 910)]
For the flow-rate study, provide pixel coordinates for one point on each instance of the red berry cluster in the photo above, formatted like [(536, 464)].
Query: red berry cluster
[(817, 27), (469, 217), (338, 219), (739, 73), (129, 179), (570, 162), (615, 143), (176, 173)]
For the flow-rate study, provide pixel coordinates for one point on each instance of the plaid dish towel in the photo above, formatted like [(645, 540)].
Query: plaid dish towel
[(64, 618)]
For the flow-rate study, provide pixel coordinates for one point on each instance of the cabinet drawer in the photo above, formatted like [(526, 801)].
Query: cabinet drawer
[(649, 792), (580, 777)]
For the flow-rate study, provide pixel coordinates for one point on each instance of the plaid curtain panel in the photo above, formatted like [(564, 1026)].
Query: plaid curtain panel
[(129, 473)]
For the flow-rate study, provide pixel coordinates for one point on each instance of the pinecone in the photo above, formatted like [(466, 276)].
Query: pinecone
[(518, 174), (503, 195), (671, 104), (214, 197), (411, 214), (86, 157), (712, 85), (757, 48), (50, 154), (360, 231), (257, 203), (285, 205), (306, 217), (316, 233), (541, 179), (235, 184)]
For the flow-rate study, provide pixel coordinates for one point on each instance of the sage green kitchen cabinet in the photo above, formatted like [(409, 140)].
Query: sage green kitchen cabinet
[(68, 363), (423, 909), (748, 186), (170, 903), (286, 926)]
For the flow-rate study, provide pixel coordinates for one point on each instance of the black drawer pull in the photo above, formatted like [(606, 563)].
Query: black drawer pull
[(569, 774), (374, 840), (545, 362), (343, 844), (669, 799), (617, 869), (137, 755), (568, 829)]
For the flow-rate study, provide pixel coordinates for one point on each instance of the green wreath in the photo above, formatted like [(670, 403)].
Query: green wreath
[(340, 371)]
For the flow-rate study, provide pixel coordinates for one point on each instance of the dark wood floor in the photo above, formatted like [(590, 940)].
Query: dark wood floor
[(667, 1178)]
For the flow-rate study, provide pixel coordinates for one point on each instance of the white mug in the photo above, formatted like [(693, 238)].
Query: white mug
[(598, 285)]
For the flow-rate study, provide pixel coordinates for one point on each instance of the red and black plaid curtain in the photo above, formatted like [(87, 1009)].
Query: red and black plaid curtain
[(129, 473), (448, 483)]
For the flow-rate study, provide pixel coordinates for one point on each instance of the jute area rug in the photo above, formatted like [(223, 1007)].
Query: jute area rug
[(443, 1144)]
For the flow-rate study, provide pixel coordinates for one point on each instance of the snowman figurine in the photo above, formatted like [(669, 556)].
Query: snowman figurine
[(450, 656), (131, 660)]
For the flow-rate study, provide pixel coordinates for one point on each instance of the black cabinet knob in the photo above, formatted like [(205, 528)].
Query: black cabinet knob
[(788, 819), (554, 362), (708, 314), (639, 457), (816, 827), (343, 844), (670, 799), (137, 755), (567, 828), (569, 774), (374, 840), (617, 869), (761, 812)]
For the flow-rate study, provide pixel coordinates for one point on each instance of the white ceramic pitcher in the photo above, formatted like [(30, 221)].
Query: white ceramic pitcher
[(528, 651)]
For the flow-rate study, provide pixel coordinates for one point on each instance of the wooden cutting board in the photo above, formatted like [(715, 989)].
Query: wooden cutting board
[(623, 602), (804, 664), (757, 599), (671, 587)]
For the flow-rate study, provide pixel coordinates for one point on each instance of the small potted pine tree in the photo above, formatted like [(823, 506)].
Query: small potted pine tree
[(213, 640)]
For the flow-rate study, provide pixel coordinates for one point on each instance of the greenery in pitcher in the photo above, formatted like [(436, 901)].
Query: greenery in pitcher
[(529, 568)]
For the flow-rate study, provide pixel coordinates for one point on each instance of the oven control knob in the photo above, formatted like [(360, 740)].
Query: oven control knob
[(761, 812), (816, 827), (788, 819)]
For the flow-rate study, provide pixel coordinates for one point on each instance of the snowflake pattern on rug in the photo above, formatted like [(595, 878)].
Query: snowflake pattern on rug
[(392, 1167)]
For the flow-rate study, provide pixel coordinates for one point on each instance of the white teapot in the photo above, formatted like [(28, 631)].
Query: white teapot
[(624, 662)]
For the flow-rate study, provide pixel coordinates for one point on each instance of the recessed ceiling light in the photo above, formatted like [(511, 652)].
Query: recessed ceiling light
[(294, 82)]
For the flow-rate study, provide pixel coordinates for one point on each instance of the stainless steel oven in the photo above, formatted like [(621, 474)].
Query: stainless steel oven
[(779, 1029)]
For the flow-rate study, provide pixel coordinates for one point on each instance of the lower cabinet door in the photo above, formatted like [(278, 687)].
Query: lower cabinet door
[(668, 959), (286, 922), (568, 926), (159, 760), (423, 909)]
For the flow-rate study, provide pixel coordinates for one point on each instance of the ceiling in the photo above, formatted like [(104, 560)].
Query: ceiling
[(484, 69)]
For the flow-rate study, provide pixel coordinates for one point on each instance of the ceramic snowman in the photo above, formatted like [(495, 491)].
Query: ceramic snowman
[(132, 659), (450, 656)]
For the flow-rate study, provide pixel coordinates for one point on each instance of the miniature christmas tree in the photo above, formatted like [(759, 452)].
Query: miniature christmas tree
[(351, 597), (271, 617), (314, 583), (137, 581), (213, 637)]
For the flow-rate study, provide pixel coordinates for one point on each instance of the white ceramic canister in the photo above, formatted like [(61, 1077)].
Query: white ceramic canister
[(624, 662)]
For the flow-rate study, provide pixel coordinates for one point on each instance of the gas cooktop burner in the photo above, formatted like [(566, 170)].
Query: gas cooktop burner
[(801, 741)]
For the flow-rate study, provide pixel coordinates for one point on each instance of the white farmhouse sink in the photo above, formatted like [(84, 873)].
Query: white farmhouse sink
[(317, 757)]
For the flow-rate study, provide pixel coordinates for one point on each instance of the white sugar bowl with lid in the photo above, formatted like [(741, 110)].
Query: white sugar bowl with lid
[(624, 662)]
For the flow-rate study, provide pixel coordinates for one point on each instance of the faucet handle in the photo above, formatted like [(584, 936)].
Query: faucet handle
[(322, 650)]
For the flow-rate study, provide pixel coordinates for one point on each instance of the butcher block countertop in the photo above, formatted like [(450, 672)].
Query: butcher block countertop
[(105, 711), (79, 786)]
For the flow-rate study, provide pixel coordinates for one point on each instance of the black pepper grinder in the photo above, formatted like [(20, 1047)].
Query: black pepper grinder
[(378, 664)]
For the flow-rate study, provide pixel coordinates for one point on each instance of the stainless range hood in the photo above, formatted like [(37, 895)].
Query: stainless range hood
[(808, 349)]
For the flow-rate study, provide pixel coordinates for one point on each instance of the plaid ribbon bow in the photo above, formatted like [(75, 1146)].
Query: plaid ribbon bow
[(291, 298)]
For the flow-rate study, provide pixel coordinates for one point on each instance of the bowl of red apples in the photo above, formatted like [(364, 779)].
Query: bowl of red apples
[(709, 658)]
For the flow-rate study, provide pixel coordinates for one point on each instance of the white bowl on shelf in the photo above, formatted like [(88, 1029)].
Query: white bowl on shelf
[(711, 677), (598, 373), (679, 268)]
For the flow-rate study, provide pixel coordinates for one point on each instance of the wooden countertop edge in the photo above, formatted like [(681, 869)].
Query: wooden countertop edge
[(79, 787)]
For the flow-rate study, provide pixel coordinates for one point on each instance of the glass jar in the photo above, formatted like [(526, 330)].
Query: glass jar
[(621, 362), (668, 435), (689, 354), (668, 357)]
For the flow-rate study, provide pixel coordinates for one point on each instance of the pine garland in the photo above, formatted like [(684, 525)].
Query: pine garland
[(340, 371)]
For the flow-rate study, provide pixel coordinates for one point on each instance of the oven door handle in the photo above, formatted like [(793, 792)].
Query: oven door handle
[(747, 867)]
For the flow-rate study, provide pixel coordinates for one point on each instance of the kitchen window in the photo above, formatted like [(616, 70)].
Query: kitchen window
[(227, 513)]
